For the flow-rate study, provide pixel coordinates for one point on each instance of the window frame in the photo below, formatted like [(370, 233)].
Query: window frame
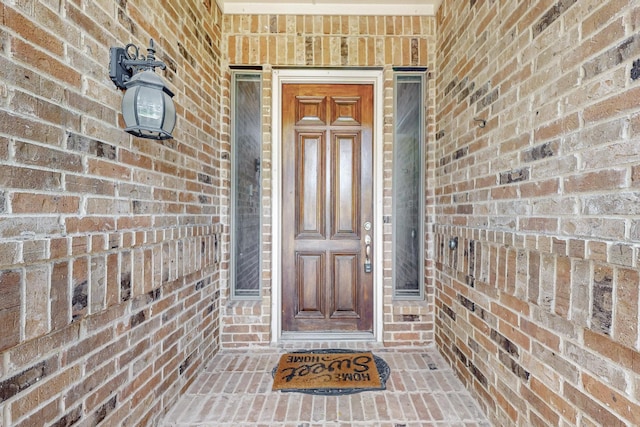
[(420, 75), (236, 76)]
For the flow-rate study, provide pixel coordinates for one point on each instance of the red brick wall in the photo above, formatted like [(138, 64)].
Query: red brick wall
[(537, 308), (109, 285)]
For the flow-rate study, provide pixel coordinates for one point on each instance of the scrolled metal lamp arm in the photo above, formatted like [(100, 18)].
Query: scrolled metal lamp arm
[(126, 61)]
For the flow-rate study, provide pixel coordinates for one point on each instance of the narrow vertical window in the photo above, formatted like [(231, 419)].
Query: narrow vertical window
[(408, 186), (246, 150)]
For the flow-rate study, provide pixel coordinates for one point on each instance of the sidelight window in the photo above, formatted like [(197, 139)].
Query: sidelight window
[(246, 150), (408, 185)]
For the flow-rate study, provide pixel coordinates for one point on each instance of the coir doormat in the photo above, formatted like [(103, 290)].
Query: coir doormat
[(330, 372)]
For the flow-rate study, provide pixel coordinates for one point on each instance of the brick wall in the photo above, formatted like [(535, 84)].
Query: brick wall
[(109, 284), (537, 308), (330, 41)]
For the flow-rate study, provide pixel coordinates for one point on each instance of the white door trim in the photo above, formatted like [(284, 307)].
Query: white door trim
[(281, 76)]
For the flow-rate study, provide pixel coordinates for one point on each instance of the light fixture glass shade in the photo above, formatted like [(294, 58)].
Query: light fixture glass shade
[(147, 107)]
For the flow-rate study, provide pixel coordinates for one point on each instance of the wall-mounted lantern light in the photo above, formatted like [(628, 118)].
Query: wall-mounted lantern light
[(147, 106)]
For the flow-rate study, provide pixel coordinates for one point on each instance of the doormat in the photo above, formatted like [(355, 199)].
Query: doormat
[(330, 372)]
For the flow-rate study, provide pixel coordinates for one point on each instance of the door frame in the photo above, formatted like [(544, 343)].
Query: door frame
[(327, 76)]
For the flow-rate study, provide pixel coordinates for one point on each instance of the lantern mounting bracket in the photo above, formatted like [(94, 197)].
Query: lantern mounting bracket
[(126, 61)]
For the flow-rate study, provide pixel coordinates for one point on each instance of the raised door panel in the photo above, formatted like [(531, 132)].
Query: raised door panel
[(310, 191), (345, 181), (345, 285), (310, 269), (311, 110), (345, 111)]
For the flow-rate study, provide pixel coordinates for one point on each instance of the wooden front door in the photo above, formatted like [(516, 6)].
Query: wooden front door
[(327, 224)]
